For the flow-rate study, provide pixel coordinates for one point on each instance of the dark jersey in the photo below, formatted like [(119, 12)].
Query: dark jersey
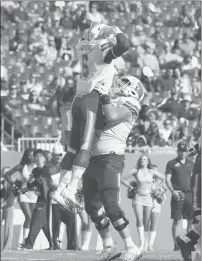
[(181, 174), (196, 183)]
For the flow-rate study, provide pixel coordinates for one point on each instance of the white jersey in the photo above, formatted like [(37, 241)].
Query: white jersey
[(93, 69), (113, 138)]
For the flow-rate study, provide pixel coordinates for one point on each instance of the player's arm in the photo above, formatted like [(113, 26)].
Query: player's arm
[(121, 47), (116, 115), (158, 175), (169, 183), (131, 174), (8, 174), (168, 177)]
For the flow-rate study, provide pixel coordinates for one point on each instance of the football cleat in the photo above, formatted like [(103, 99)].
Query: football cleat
[(109, 253), (24, 246), (128, 256)]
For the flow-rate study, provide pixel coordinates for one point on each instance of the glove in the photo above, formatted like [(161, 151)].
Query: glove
[(100, 87)]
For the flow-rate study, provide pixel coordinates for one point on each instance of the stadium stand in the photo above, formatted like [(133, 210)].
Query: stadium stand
[(39, 66)]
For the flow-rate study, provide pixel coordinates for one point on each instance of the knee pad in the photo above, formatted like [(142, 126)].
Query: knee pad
[(116, 216), (101, 222), (68, 160), (120, 223), (82, 158)]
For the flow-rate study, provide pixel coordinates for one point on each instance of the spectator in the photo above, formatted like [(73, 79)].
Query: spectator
[(67, 21), (28, 200), (177, 75), (166, 131), (143, 202), (186, 45), (186, 19), (81, 22), (19, 14), (168, 57), (34, 84), (188, 112), (178, 181), (94, 16), (172, 104), (42, 183), (12, 101), (7, 206), (167, 80), (149, 59), (153, 136)]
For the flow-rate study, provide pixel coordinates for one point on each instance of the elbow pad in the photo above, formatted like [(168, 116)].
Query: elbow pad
[(120, 48)]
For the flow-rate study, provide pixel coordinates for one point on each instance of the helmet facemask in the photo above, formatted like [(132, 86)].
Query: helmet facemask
[(123, 87)]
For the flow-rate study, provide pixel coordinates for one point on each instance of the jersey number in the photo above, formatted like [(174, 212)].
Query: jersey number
[(85, 69)]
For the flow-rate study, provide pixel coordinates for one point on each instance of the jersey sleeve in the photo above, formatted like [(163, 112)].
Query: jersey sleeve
[(168, 168), (133, 105), (105, 46)]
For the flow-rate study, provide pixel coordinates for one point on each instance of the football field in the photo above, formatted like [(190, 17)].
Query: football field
[(60, 255)]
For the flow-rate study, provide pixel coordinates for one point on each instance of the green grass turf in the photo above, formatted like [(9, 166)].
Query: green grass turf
[(60, 255)]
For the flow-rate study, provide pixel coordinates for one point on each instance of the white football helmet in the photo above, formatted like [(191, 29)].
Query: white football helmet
[(129, 86), (97, 32)]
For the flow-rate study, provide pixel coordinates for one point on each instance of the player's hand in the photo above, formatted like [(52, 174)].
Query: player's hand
[(101, 89), (176, 195)]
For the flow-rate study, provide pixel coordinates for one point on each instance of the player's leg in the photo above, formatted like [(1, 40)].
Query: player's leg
[(68, 159), (138, 209), (188, 210), (109, 193), (153, 225), (187, 242), (38, 219), (86, 230), (88, 110), (95, 210), (27, 211), (176, 216), (146, 219)]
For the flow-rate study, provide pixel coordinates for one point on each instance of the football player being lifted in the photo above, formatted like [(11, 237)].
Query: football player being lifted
[(101, 180), (96, 51)]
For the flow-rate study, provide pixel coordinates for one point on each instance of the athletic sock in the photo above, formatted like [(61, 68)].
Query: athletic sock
[(25, 233), (128, 242), (86, 236), (107, 242), (77, 173)]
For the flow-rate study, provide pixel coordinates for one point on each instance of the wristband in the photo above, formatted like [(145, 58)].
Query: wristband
[(105, 99)]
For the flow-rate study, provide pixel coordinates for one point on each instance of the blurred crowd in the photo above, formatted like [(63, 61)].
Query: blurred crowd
[(39, 65)]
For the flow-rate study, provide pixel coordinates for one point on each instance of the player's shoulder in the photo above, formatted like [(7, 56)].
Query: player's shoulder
[(85, 46)]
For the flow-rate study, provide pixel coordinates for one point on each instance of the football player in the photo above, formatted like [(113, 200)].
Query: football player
[(101, 180), (96, 51), (188, 241)]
